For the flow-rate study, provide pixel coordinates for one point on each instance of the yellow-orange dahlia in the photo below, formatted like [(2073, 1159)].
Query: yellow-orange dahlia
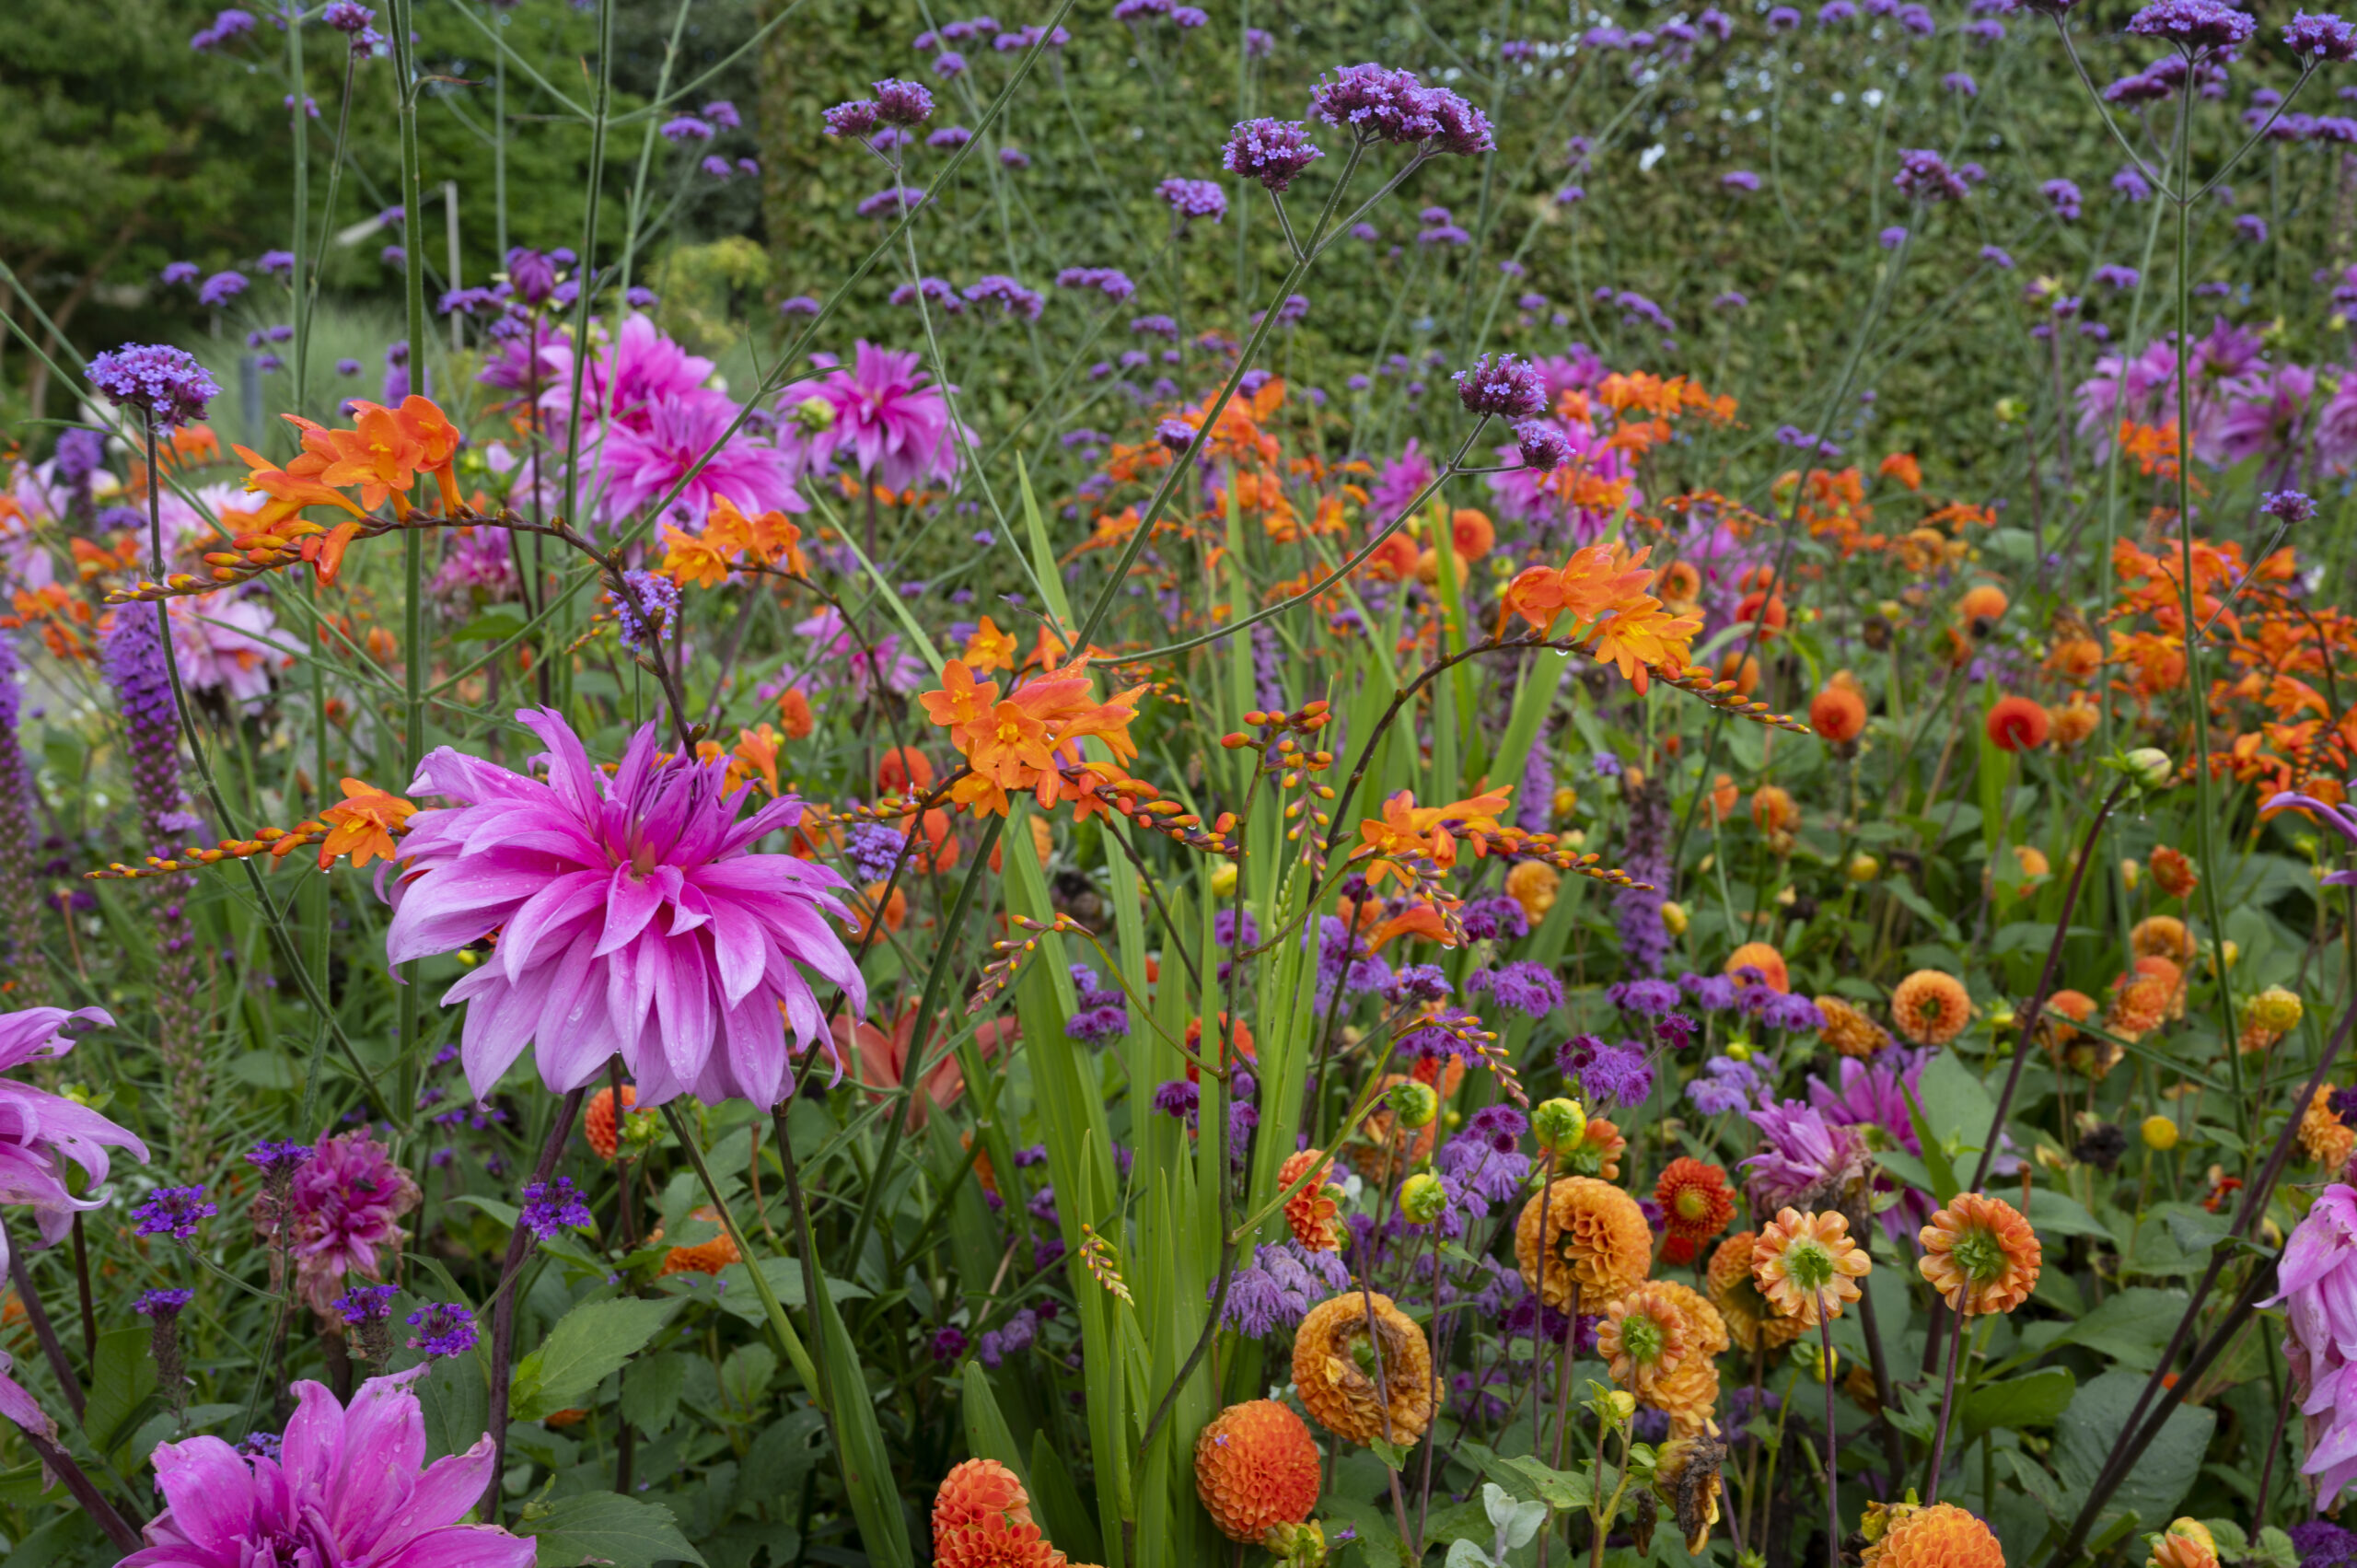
[(1931, 1007), (1256, 1467), (1597, 1240), (1644, 1337), (1340, 1392), (1703, 1320), (2160, 935), (2140, 1004), (1310, 1212), (1688, 1397), (1766, 960), (597, 1121), (1695, 1202), (982, 1519), (1980, 1254), (1940, 1534), (1848, 1031), (705, 1257), (2187, 1543), (2327, 1140), (1751, 1319), (2171, 975), (1807, 1265), (1534, 884), (1772, 809)]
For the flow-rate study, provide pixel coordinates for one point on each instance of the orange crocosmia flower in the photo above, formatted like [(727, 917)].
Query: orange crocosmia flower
[(757, 749), (1643, 636), (775, 540), (794, 713), (1902, 467), (290, 489), (1416, 920), (989, 648), (387, 450), (961, 703), (364, 824), (701, 561)]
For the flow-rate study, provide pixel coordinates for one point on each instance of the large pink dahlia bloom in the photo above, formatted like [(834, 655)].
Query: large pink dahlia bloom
[(631, 919), (39, 1132), (345, 1488), (883, 413), (2316, 1282)]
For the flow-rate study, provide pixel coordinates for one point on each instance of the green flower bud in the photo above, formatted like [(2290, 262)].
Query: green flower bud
[(2150, 767), (814, 415), (1422, 1199), (1560, 1125), (1415, 1103)]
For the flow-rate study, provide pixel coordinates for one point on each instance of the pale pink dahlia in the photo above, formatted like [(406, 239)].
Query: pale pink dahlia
[(345, 1488), (631, 915), (2317, 1281), (346, 1201), (39, 1132)]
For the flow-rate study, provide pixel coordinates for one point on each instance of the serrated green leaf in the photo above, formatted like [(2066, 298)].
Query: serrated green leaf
[(123, 1381), (651, 1391), (605, 1528), (587, 1344), (2035, 1398)]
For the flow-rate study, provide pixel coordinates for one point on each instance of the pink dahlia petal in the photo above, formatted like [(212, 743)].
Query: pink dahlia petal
[(211, 1492)]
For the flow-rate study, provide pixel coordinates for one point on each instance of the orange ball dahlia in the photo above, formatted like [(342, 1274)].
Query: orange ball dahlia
[(982, 1519), (1597, 1240), (1773, 809), (1807, 1265), (2160, 935), (1255, 1466), (1695, 1202), (1749, 1318), (1340, 1392), (1839, 715), (705, 1257), (2140, 1004), (1848, 1031), (2018, 724), (1766, 960), (1931, 1007), (1310, 1212), (598, 1122), (2327, 1140), (1980, 1255), (1644, 1337), (1904, 1534)]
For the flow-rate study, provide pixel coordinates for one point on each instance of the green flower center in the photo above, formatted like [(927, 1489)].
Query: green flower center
[(1643, 1337), (1809, 1264), (1980, 1255)]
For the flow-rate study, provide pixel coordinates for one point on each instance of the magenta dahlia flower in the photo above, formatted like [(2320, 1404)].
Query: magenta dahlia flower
[(347, 1202), (1806, 1160), (883, 412), (39, 1132), (2316, 1282), (633, 918), (644, 460), (345, 1487)]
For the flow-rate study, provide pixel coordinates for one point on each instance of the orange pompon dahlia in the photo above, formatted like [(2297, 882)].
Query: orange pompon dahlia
[(1848, 1031), (2075, 720), (1766, 960), (1931, 1007), (982, 1519), (2161, 935), (1983, 605), (1907, 1535), (705, 1257), (2172, 872), (1534, 884), (1749, 1319), (2187, 1543), (1644, 1337), (1807, 1265), (1256, 1467), (2082, 1053), (1597, 1240), (1339, 1393), (1695, 1202), (2018, 724), (2327, 1140), (1773, 809), (1838, 713), (1310, 1212), (1980, 1255), (1703, 1320), (2140, 1004), (2170, 974), (598, 1123)]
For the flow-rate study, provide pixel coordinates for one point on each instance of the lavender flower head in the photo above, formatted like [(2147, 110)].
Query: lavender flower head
[(2194, 26), (173, 1211), (1502, 386), (901, 102), (1191, 199), (165, 383), (445, 1328), (2325, 37), (2287, 507), (1925, 176), (554, 1206), (1274, 152), (1541, 446)]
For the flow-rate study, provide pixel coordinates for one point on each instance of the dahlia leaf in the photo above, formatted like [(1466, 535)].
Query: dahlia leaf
[(602, 1526), (587, 1344)]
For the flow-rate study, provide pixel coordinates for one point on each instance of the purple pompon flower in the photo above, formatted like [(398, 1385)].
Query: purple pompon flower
[(1174, 434), (444, 1328), (905, 103), (854, 117), (1724, 1085), (1890, 238), (891, 198), (1378, 104), (1617, 1074), (227, 26), (1274, 152), (1420, 982), (365, 1303), (639, 621), (173, 1211), (1177, 1097), (162, 1305), (1806, 1160), (1961, 84), (1541, 445), (1530, 989), (344, 1208), (2132, 185), (1925, 176), (2193, 26), (531, 274), (1791, 1014), (688, 128), (2316, 1285), (220, 288), (1783, 18), (2062, 196), (2325, 37), (1646, 998), (345, 1486), (1502, 386), (1495, 919), (39, 1132), (277, 1156), (554, 1206), (348, 16), (1191, 199), (632, 919), (165, 383), (2288, 507)]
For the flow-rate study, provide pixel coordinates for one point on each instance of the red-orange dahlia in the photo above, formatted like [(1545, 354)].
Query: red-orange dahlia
[(1980, 1254), (2018, 724), (597, 1121), (1310, 1212), (1695, 1202), (1255, 1466), (982, 1519)]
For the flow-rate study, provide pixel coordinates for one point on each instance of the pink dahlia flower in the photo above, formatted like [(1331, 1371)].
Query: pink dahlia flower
[(345, 1488), (883, 413), (625, 382), (2317, 1288), (229, 643), (347, 1202), (39, 1132), (643, 461), (633, 918)]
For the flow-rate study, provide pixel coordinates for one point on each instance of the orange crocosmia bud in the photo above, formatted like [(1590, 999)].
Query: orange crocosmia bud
[(794, 713)]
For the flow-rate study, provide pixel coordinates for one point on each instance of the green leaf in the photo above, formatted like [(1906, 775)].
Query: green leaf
[(2196, 1229), (745, 1375), (1063, 1515), (2090, 1430), (1557, 1488), (651, 1392), (987, 1433), (264, 1070), (2035, 1398), (587, 1344), (605, 1528), (784, 1454), (1956, 1103), (2059, 1214), (740, 1300), (124, 1380), (1935, 1159), (2130, 1326), (2276, 1550), (1379, 1543)]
